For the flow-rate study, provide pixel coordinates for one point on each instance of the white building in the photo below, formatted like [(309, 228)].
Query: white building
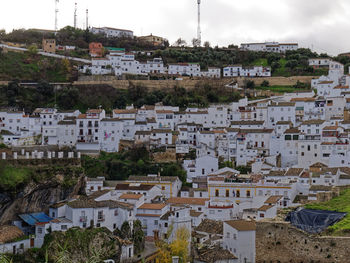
[(239, 238), (269, 47), (184, 69), (112, 32)]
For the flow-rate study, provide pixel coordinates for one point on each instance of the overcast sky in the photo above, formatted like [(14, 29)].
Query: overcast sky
[(321, 24)]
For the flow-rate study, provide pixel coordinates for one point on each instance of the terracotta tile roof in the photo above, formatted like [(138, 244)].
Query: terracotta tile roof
[(164, 112), (256, 130), (148, 215), (94, 111), (152, 206), (291, 131), (264, 208), (331, 128), (211, 227), (194, 213), (187, 201), (312, 122), (247, 122), (132, 111), (132, 187), (214, 254), (153, 178), (294, 171), (90, 203), (130, 196), (98, 194), (242, 225), (273, 199), (303, 99), (282, 104)]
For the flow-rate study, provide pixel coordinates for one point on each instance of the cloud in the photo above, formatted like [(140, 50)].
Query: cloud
[(321, 23)]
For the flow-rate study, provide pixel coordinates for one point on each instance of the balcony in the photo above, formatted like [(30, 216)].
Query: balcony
[(101, 218)]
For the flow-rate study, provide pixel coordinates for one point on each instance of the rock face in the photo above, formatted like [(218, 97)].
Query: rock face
[(49, 186), (83, 245), (281, 242)]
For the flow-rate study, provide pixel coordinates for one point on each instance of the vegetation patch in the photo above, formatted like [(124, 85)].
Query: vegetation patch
[(339, 204)]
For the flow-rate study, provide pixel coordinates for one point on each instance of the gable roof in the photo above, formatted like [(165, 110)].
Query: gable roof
[(242, 225), (187, 201), (152, 206), (211, 227)]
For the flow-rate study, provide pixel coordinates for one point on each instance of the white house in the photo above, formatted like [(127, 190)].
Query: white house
[(239, 238)]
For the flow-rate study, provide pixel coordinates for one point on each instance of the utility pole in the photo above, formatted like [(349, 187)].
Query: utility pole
[(56, 15), (75, 15), (87, 18), (199, 33)]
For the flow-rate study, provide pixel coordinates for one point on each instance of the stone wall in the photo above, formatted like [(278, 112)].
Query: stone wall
[(186, 82), (279, 242)]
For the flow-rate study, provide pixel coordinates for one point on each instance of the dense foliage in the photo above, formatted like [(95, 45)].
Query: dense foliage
[(84, 97), (33, 67), (74, 37), (136, 161)]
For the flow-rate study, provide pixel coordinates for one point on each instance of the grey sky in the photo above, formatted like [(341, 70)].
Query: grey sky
[(323, 24)]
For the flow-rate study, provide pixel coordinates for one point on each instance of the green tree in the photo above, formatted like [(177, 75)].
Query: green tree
[(138, 237), (33, 50), (125, 231)]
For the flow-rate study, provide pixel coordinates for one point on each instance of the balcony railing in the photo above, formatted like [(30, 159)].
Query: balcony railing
[(101, 218)]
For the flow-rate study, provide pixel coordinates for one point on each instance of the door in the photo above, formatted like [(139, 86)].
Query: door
[(32, 242)]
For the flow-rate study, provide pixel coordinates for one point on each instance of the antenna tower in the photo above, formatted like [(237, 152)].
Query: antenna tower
[(199, 33), (56, 14), (87, 18), (75, 15)]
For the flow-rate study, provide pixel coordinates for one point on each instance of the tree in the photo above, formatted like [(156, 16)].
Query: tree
[(250, 84), (125, 231), (265, 83), (292, 64), (206, 44), (178, 247), (138, 237), (33, 50), (180, 42)]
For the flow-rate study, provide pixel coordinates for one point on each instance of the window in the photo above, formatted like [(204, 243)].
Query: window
[(64, 227), (217, 192), (234, 236), (248, 193), (155, 222), (227, 193), (228, 235), (238, 193), (262, 215), (40, 230)]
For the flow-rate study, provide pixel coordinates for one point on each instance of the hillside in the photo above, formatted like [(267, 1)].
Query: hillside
[(29, 186), (32, 67)]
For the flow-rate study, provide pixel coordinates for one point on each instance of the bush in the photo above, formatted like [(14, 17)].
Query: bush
[(265, 83)]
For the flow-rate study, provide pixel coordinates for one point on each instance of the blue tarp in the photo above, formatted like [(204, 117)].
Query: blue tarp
[(34, 218), (314, 221)]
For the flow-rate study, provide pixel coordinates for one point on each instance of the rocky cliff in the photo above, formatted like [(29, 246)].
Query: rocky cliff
[(26, 188)]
